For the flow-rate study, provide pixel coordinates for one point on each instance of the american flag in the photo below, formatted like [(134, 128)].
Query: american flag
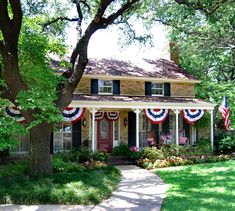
[(225, 113)]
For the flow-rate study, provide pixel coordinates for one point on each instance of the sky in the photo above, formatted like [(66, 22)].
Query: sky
[(104, 44)]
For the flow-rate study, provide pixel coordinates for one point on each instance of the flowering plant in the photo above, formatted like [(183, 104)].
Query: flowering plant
[(133, 148)]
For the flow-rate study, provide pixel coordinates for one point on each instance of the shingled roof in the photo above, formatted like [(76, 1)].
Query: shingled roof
[(158, 69)]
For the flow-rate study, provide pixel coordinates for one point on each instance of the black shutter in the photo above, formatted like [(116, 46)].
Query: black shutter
[(76, 134), (167, 89), (94, 86), (148, 88), (186, 128), (51, 143), (166, 125), (116, 87), (131, 129)]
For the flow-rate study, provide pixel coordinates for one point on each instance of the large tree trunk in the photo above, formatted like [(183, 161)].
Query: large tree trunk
[(41, 162)]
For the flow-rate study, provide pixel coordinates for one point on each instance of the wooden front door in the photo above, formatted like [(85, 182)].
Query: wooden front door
[(105, 135)]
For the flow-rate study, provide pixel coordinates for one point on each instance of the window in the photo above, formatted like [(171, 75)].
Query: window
[(62, 137), (23, 144), (157, 89), (105, 86)]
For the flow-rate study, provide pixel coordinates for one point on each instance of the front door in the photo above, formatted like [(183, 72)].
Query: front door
[(105, 135)]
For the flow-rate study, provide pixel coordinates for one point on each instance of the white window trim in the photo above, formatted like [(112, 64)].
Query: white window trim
[(105, 93), (158, 89)]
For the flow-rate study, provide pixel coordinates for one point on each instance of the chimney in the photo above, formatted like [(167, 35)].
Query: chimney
[(174, 52)]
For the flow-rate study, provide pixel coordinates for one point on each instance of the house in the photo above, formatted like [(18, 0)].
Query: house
[(147, 102)]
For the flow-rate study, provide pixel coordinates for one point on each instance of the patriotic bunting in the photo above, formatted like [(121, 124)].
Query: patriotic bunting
[(192, 115), (99, 115), (112, 116), (156, 116), (73, 114), (14, 112)]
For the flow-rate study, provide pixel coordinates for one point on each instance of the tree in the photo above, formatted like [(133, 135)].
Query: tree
[(204, 31), (21, 72)]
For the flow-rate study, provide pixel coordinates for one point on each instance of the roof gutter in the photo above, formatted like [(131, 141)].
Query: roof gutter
[(141, 78)]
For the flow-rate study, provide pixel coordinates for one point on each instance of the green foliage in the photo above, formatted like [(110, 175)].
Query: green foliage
[(121, 150), (85, 186), (100, 156), (206, 44), (152, 153), (224, 142), (203, 147), (8, 127), (199, 187), (60, 165), (80, 156), (14, 169)]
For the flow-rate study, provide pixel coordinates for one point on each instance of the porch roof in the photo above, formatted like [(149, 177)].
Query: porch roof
[(132, 102)]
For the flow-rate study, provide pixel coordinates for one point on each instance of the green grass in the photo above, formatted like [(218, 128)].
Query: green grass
[(86, 186), (200, 187)]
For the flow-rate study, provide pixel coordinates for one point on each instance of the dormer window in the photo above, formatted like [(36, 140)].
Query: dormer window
[(105, 87), (157, 89)]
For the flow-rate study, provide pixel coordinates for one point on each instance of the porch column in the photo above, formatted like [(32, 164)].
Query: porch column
[(137, 112), (212, 129), (177, 126), (93, 111)]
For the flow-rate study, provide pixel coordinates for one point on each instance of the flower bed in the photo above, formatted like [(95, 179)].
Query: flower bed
[(181, 160)]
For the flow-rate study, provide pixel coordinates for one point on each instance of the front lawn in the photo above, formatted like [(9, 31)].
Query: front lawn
[(84, 186), (200, 187)]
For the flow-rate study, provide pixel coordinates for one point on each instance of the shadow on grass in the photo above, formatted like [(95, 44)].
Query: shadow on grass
[(200, 187), (88, 186)]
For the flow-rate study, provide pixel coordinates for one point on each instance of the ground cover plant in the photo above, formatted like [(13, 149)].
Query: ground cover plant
[(71, 183), (200, 187)]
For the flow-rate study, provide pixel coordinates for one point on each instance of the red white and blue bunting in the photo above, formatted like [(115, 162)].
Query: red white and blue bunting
[(73, 114), (156, 116), (192, 115), (14, 112), (112, 116), (99, 115)]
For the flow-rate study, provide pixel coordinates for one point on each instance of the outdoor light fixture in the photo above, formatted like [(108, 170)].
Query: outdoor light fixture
[(125, 122), (84, 122)]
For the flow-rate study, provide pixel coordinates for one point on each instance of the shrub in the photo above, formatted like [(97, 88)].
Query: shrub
[(85, 154), (100, 156), (69, 156), (152, 153), (60, 165), (227, 145), (121, 150), (203, 147), (14, 169)]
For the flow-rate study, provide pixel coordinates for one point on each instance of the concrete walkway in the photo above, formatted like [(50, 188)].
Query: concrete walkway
[(138, 190)]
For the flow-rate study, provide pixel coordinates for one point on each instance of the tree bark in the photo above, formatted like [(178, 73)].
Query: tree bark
[(41, 162)]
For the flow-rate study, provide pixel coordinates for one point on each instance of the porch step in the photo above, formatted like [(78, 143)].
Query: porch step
[(118, 160)]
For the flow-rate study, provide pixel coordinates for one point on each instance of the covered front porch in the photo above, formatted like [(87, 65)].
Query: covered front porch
[(134, 127)]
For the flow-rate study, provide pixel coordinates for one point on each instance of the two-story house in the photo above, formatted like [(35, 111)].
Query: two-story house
[(150, 102)]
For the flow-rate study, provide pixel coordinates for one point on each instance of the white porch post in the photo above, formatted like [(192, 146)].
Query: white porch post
[(212, 129), (93, 111), (137, 112), (177, 126)]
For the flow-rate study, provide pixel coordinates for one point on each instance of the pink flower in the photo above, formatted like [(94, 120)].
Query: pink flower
[(133, 148)]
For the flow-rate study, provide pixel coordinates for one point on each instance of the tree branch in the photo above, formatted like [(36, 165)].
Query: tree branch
[(80, 51), (207, 10), (59, 19)]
